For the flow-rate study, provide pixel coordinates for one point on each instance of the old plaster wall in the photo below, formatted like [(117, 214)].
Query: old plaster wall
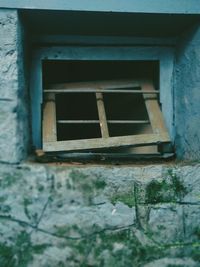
[(13, 109), (187, 95)]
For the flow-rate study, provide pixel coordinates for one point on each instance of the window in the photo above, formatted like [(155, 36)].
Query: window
[(102, 99), (90, 104)]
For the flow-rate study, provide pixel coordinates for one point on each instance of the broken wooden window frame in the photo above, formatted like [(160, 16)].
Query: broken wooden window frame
[(162, 54), (49, 137)]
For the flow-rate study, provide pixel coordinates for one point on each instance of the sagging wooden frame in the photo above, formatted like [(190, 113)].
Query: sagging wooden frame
[(163, 55), (146, 88)]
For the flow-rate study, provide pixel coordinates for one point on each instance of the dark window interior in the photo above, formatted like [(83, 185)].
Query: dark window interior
[(83, 106), (61, 71), (77, 107)]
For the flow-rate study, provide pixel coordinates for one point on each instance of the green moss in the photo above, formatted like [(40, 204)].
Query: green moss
[(39, 249), (161, 227), (6, 256), (99, 184), (27, 202), (86, 182), (3, 198), (90, 186), (196, 254), (58, 185), (77, 176), (178, 186), (68, 231), (158, 192), (62, 230), (5, 208), (126, 198), (170, 189), (197, 232), (40, 188), (9, 179), (113, 248), (31, 215), (20, 253)]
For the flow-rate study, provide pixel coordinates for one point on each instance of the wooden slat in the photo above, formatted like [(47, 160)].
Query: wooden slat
[(92, 90), (121, 141), (108, 121), (153, 109), (111, 84), (49, 119), (102, 115)]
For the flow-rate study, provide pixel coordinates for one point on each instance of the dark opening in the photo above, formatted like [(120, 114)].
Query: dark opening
[(83, 106), (126, 107), (77, 107), (61, 71)]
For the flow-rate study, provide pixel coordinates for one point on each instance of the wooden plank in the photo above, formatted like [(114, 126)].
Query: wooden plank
[(153, 109), (119, 141), (77, 158), (91, 90), (102, 115), (110, 84), (49, 119), (108, 121)]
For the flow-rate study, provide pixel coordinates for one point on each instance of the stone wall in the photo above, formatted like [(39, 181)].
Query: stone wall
[(99, 216), (13, 111)]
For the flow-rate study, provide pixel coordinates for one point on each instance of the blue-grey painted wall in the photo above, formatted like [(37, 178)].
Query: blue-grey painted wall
[(14, 132), (131, 6), (187, 95), (13, 112)]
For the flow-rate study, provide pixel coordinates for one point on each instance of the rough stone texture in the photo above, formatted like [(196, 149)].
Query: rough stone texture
[(13, 111), (187, 97), (99, 216)]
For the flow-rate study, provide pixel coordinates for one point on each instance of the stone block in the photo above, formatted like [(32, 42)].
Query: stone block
[(55, 216), (166, 223), (10, 147)]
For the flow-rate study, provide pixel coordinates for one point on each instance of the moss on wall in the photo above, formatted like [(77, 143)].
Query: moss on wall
[(100, 217)]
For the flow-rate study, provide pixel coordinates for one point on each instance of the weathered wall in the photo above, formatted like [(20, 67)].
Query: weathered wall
[(99, 216), (96, 216), (13, 112), (187, 95)]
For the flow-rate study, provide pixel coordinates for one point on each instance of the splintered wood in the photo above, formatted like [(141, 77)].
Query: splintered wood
[(49, 119), (146, 88), (153, 109), (102, 115)]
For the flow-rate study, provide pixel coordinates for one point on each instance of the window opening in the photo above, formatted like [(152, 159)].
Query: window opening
[(102, 115)]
